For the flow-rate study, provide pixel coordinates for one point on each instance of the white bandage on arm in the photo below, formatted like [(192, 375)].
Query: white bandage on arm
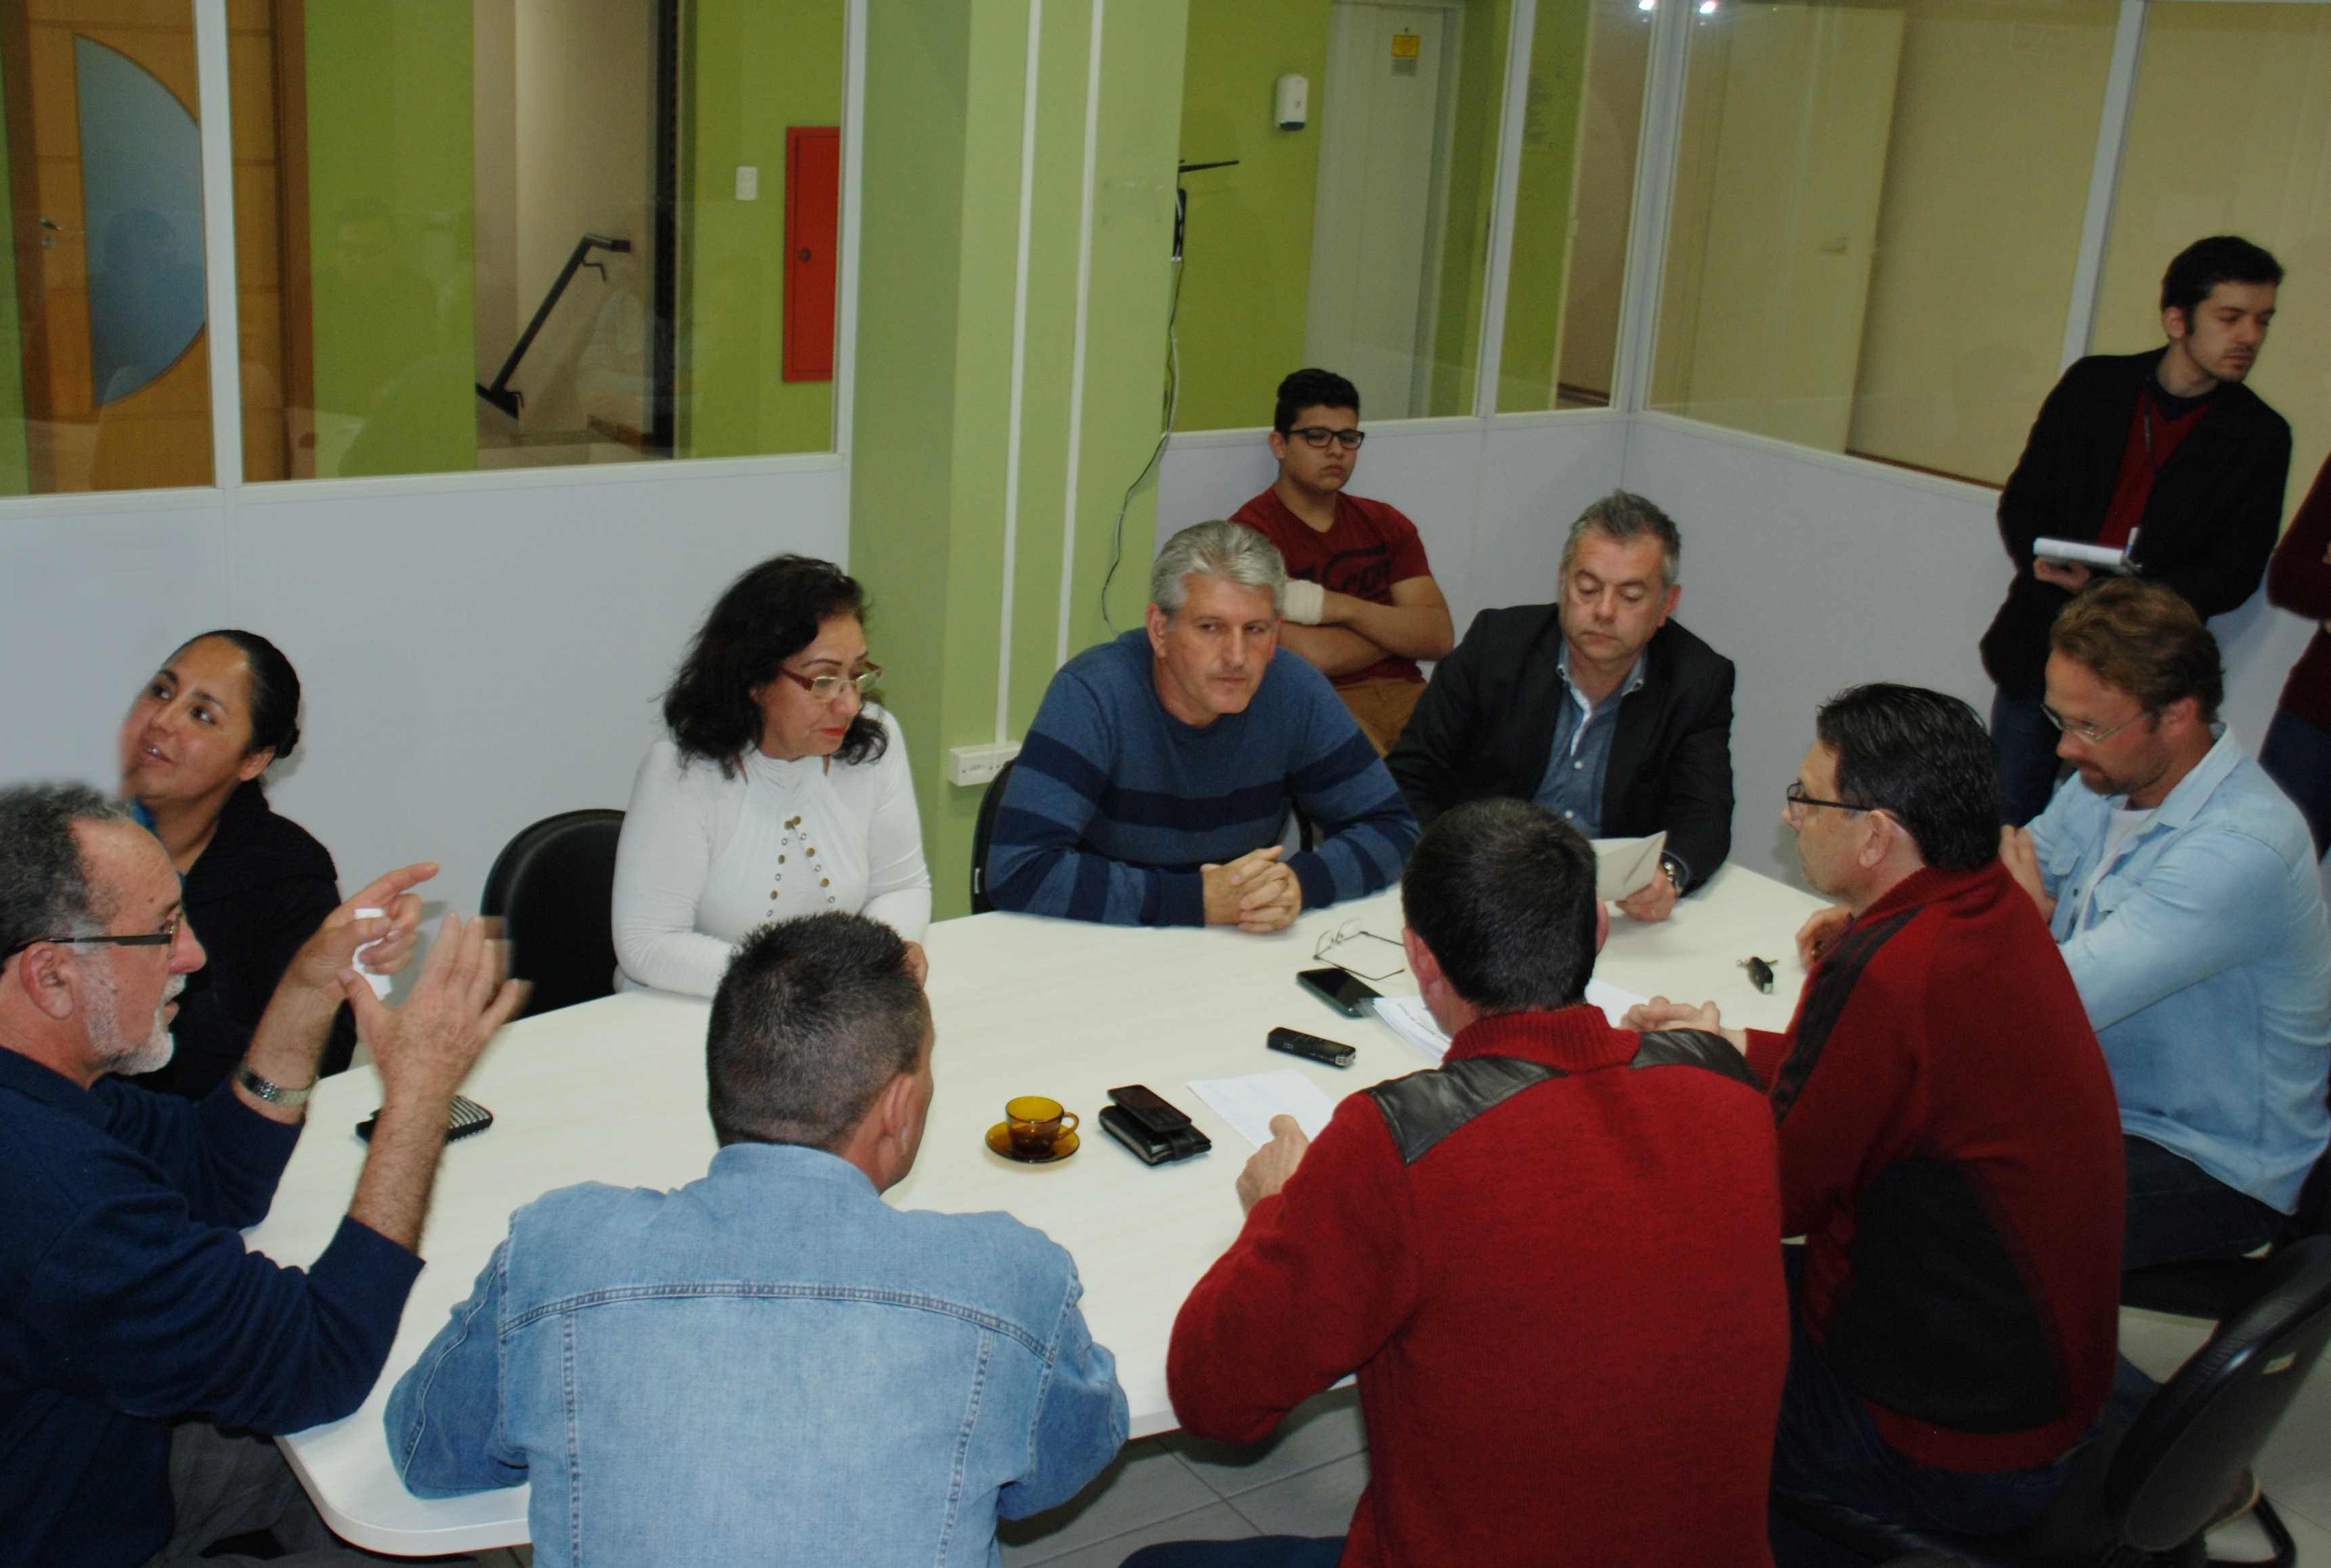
[(1306, 602)]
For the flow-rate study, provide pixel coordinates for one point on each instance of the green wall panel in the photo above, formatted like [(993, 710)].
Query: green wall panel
[(391, 183)]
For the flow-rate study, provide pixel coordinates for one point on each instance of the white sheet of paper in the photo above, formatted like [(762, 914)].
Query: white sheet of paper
[(1623, 867), (1406, 1016), (1249, 1103), (2111, 560)]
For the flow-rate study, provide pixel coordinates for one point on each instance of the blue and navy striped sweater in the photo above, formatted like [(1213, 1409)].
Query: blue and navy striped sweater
[(1115, 804)]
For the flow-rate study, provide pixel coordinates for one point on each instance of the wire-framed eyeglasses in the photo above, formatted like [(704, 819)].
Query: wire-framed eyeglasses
[(165, 936), (826, 687), (2088, 733), (1317, 437), (1369, 962), (1797, 800)]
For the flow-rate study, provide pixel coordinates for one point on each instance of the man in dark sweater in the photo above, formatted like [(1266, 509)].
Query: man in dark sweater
[(1155, 783), (1552, 1260), (1950, 1147), (1600, 707), (2166, 455), (127, 1302)]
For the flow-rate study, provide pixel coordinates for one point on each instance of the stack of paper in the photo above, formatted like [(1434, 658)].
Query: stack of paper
[(1249, 1103), (1625, 867), (1406, 1016)]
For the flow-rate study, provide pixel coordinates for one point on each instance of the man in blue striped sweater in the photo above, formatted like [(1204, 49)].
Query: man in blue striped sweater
[(1153, 786)]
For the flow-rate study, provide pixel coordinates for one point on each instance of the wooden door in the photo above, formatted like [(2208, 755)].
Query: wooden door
[(116, 371)]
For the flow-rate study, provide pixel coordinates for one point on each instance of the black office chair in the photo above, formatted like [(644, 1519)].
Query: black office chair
[(983, 833), (553, 887), (2212, 1288), (2152, 1487)]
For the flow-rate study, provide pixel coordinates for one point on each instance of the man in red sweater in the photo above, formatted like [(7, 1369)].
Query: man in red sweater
[(1950, 1147), (1552, 1260), (1362, 606)]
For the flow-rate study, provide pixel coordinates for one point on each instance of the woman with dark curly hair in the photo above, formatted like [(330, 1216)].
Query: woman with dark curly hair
[(783, 792)]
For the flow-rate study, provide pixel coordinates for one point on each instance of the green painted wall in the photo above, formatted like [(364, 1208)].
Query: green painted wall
[(929, 473), (754, 68), (15, 471), (1542, 205), (1247, 265), (391, 183), (1472, 186)]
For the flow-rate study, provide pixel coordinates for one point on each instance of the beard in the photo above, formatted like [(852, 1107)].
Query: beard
[(115, 1053)]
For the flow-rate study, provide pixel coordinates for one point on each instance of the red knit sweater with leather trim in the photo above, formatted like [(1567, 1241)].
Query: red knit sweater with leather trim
[(1567, 1316), (1951, 1152)]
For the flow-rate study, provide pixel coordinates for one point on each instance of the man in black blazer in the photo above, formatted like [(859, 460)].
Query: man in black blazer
[(2165, 455), (1599, 708)]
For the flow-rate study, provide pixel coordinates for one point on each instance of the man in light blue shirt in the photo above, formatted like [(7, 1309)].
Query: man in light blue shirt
[(2181, 885), (771, 1365)]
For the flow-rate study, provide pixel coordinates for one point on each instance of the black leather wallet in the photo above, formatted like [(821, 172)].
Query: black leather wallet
[(1157, 1133)]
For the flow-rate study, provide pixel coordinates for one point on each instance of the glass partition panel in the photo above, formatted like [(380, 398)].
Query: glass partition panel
[(104, 351), (1877, 221), (505, 233), (1571, 203), (1357, 240), (2254, 161)]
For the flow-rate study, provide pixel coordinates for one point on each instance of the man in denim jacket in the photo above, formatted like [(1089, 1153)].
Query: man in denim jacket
[(770, 1365), (2181, 885)]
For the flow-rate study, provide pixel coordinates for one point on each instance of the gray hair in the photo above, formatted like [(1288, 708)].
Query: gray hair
[(812, 1021), (1623, 516), (1230, 551), (45, 884)]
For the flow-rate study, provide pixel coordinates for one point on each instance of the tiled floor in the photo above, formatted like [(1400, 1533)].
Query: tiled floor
[(1305, 1480)]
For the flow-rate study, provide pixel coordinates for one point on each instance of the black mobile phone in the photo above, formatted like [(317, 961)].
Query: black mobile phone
[(1340, 989), (467, 1117), (1295, 1043), (1155, 1132)]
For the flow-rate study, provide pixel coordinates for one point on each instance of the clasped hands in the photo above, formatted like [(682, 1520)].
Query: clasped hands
[(1254, 892)]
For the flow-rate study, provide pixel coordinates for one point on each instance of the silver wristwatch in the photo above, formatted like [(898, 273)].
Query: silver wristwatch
[(274, 1094)]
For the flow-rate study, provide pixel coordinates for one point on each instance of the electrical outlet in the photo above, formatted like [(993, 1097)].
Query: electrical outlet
[(748, 183), (976, 765)]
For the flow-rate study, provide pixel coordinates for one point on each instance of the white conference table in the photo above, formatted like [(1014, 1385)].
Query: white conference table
[(614, 1091)]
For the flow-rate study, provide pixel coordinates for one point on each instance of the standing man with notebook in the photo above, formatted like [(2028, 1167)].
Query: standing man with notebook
[(1362, 606), (2165, 454)]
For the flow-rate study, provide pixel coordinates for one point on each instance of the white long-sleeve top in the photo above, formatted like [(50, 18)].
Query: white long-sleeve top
[(704, 861)]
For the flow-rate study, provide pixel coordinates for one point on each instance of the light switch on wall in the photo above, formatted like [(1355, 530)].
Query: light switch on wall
[(748, 183)]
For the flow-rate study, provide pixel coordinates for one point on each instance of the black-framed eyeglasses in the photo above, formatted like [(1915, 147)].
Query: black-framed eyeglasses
[(166, 935), (1798, 800), (1317, 436), (2087, 732), (826, 687)]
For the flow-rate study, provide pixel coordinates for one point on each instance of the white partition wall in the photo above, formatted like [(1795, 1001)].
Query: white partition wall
[(474, 659)]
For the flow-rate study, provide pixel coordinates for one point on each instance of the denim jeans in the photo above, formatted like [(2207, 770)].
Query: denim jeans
[(1829, 1447), (2026, 743), (2298, 756), (2178, 1211), (1259, 1551)]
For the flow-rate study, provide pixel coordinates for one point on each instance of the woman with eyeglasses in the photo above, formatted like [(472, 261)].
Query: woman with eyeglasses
[(195, 749), (783, 792)]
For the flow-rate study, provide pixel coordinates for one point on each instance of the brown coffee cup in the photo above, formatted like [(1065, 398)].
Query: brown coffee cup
[(1036, 1124)]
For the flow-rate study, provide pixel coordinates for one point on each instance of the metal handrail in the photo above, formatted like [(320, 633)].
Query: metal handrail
[(503, 395)]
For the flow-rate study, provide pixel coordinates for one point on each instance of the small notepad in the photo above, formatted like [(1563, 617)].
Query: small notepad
[(1249, 1103)]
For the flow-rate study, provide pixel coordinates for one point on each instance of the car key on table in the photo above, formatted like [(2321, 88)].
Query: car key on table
[(1295, 1043), (1760, 973)]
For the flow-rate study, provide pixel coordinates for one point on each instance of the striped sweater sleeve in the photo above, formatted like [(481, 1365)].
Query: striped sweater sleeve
[(1344, 788), (1035, 862)]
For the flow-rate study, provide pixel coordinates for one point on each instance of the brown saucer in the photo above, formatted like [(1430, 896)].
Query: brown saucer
[(999, 1138)]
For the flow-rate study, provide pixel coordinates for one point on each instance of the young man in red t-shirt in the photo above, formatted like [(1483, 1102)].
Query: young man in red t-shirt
[(1362, 606)]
